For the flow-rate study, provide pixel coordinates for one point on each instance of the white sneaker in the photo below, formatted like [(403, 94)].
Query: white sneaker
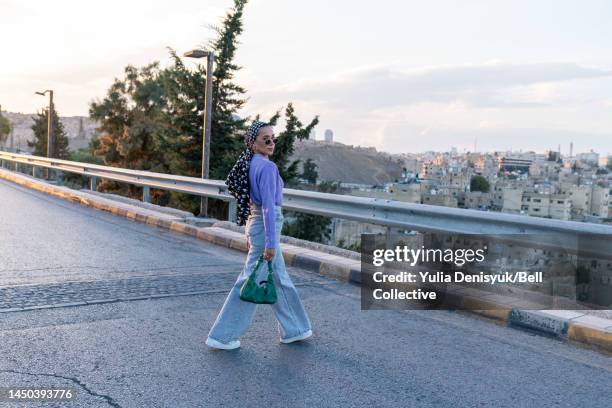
[(302, 336), (223, 346)]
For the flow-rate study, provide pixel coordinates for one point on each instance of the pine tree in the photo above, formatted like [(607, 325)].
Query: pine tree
[(5, 128), (309, 171), (294, 130), (60, 140), (227, 128), (311, 227)]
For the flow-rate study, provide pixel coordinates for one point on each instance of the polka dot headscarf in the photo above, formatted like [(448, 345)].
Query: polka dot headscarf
[(238, 178)]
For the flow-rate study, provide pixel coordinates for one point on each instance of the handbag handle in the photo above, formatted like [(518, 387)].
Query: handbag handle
[(258, 263)]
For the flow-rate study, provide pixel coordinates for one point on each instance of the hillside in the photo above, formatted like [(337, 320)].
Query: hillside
[(79, 129), (349, 164)]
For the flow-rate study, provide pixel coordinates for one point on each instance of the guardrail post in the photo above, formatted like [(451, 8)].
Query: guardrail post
[(146, 194), (388, 236), (93, 183), (231, 215), (34, 168)]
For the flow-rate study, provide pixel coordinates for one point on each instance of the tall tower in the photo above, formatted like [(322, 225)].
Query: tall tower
[(571, 149), (329, 136)]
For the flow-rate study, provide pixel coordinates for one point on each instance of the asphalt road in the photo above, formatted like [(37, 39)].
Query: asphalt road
[(151, 353)]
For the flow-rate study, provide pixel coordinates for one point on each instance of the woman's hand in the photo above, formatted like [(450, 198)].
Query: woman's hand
[(269, 254)]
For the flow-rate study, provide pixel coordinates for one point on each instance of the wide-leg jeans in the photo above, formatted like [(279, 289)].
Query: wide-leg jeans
[(236, 314)]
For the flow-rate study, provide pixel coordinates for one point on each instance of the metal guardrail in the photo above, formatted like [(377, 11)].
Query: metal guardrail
[(388, 213)]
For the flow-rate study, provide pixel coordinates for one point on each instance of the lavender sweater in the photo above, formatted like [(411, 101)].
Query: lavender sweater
[(266, 191)]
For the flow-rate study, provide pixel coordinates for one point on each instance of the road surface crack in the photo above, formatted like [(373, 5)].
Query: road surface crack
[(75, 380)]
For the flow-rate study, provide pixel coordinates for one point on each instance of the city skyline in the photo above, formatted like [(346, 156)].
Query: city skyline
[(402, 77)]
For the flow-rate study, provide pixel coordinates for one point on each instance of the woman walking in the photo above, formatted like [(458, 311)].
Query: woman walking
[(258, 188)]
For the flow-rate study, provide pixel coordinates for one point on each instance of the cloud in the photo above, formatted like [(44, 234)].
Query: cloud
[(487, 85), (501, 104)]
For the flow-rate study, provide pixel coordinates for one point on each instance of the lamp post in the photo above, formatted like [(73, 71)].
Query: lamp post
[(49, 124), (210, 57)]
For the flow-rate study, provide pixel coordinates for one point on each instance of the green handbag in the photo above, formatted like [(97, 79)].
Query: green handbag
[(265, 292)]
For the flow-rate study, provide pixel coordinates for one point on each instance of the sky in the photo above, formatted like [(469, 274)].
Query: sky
[(402, 76)]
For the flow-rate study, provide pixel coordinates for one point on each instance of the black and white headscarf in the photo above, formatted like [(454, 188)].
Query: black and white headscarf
[(238, 178)]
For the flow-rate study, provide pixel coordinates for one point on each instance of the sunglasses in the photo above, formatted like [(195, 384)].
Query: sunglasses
[(273, 140)]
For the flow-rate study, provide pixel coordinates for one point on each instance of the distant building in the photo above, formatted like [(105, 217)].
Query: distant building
[(556, 206), (590, 158), (406, 192), (514, 164), (439, 199), (605, 161), (552, 155), (475, 200), (587, 200), (329, 136), (511, 200), (432, 171)]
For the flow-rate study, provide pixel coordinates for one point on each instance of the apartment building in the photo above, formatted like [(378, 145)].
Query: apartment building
[(511, 200), (587, 200), (439, 199), (556, 206), (476, 200)]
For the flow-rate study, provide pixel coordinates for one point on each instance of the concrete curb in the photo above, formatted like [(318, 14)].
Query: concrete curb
[(567, 325), (573, 326)]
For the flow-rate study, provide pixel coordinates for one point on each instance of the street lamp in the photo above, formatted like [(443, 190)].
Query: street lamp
[(210, 57), (49, 124)]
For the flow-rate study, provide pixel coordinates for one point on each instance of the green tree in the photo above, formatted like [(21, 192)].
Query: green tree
[(60, 140), (294, 130), (227, 127), (311, 227), (309, 171), (152, 119), (183, 89), (5, 128), (131, 125), (479, 183), (356, 246)]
